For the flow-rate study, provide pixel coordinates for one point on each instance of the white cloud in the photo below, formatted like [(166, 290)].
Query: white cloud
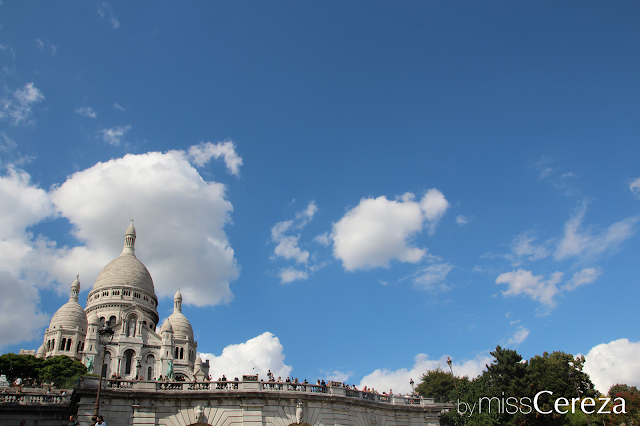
[(18, 107), (201, 154), (524, 282), (322, 239), (6, 142), (105, 10), (336, 376), (288, 275), (586, 276), (379, 230), (461, 220), (180, 225), (522, 247), (20, 318), (634, 186), (117, 106), (431, 277), (614, 362), (255, 356), (87, 112), (383, 379), (591, 242), (518, 337), (41, 46), (114, 135), (287, 245)]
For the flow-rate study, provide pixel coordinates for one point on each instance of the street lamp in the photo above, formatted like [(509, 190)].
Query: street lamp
[(106, 334), (451, 369), (411, 383)]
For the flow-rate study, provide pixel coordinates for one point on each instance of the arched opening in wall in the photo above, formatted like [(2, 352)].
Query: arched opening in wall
[(112, 321), (181, 353), (101, 322), (128, 361), (62, 343), (68, 345), (150, 362), (79, 347), (177, 353)]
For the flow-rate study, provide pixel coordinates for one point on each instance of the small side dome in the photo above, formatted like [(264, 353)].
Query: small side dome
[(93, 318), (41, 351), (70, 315), (166, 326), (181, 326)]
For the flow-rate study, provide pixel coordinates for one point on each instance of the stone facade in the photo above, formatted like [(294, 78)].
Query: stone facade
[(249, 403)]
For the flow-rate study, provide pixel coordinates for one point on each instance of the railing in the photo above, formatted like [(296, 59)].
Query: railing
[(28, 399), (120, 384), (247, 386)]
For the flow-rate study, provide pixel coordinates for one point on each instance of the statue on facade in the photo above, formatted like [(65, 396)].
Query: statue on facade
[(90, 364), (199, 414), (299, 417), (170, 370)]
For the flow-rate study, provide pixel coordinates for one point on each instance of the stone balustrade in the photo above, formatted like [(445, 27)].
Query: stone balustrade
[(33, 399), (255, 386)]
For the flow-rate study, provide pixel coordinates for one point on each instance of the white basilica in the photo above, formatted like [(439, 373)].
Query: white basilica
[(123, 298)]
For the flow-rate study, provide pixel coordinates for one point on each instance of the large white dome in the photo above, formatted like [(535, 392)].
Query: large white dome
[(125, 270)]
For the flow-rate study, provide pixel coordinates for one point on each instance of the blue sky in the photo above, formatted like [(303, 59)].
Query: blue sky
[(349, 190)]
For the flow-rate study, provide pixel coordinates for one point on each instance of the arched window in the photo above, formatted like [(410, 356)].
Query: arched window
[(79, 348), (48, 345), (177, 353), (181, 353), (128, 360), (101, 321), (82, 348), (53, 344), (150, 373), (68, 345), (62, 344), (112, 321)]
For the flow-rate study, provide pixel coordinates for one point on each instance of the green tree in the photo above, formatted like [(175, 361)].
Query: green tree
[(436, 384), (23, 366), (62, 371)]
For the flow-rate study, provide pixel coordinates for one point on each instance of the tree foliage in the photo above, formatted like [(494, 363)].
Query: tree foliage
[(509, 376), (59, 370), (436, 384)]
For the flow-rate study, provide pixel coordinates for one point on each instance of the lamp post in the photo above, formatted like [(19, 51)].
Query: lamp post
[(106, 334), (451, 369), (411, 383)]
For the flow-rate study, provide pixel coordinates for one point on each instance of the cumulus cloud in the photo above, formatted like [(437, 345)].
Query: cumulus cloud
[(398, 380), (634, 186), (431, 278), (288, 275), (114, 135), (518, 337), (20, 317), (201, 154), (615, 362), (17, 106), (379, 230), (87, 112), (106, 12), (255, 356), (180, 225), (591, 242), (525, 283)]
